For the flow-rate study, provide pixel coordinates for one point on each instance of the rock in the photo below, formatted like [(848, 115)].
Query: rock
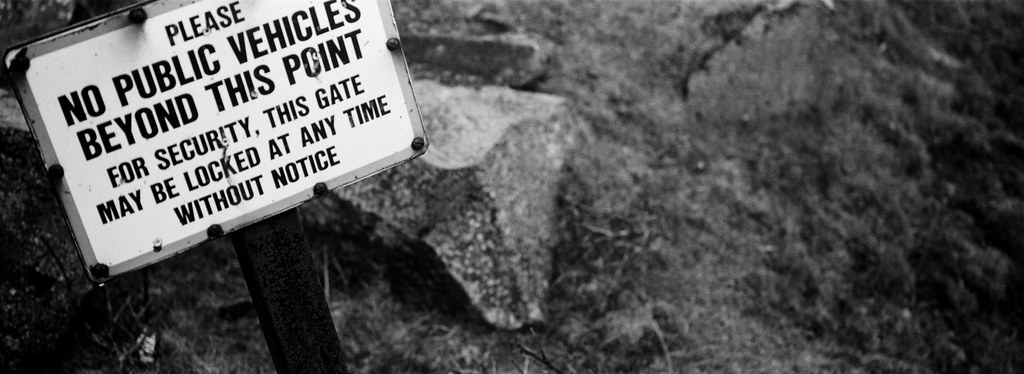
[(742, 81), (472, 221), (41, 280), (515, 60), (464, 123)]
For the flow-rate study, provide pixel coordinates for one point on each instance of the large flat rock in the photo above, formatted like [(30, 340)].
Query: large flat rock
[(473, 220), (507, 59)]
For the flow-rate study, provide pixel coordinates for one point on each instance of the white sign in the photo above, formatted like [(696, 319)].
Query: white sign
[(216, 112)]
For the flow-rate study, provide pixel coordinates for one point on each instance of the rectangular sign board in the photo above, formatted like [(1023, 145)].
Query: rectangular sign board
[(177, 121)]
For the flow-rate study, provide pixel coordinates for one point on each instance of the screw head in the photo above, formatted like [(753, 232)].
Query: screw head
[(158, 245), (319, 189), (100, 271), (393, 44), (137, 16), (214, 231), (20, 62), (418, 144), (55, 172)]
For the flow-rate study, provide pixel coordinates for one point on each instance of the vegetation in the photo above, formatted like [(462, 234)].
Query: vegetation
[(763, 189)]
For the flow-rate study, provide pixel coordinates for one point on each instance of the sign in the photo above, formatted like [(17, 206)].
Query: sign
[(179, 121)]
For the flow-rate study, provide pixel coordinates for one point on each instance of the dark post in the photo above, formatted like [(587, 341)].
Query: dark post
[(289, 299)]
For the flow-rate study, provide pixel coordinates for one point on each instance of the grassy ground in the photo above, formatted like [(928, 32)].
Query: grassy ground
[(762, 190)]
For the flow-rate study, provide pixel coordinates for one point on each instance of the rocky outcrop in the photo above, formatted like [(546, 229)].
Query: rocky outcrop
[(469, 226), (741, 81), (473, 220)]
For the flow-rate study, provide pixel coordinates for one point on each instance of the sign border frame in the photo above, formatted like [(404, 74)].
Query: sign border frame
[(119, 19)]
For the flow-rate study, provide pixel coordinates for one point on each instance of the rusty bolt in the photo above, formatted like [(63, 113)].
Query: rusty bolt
[(214, 231), (100, 271), (393, 44), (320, 189), (137, 16), (418, 144), (55, 172), (20, 61)]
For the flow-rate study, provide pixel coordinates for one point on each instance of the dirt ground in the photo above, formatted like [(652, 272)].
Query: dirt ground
[(765, 187)]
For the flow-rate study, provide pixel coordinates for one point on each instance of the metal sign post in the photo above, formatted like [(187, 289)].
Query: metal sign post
[(282, 281)]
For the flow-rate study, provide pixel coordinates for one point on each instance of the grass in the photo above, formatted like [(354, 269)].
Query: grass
[(762, 190)]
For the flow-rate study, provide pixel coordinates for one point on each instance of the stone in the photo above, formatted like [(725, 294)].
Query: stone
[(41, 280), (472, 221), (509, 59)]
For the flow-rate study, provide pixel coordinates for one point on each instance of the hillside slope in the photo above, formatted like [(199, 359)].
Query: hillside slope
[(764, 187)]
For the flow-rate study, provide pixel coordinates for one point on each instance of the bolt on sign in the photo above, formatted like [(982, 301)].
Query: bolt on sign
[(171, 123)]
